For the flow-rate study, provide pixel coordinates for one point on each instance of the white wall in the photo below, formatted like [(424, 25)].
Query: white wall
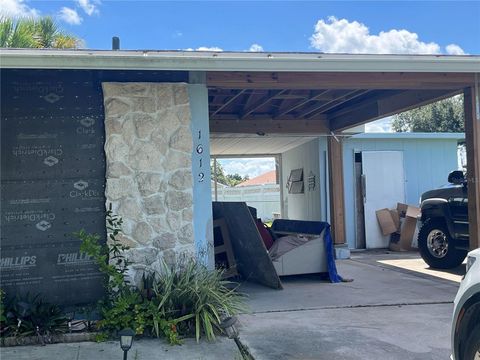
[(306, 206), (264, 198), (427, 163)]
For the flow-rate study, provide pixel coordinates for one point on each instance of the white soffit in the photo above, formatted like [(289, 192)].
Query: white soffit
[(252, 144)]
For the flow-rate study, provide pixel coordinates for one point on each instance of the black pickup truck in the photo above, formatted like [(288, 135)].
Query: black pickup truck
[(443, 239)]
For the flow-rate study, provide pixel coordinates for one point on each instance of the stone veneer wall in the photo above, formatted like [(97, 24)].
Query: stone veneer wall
[(149, 169)]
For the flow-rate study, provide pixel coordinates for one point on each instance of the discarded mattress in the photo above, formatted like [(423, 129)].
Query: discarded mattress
[(305, 248)]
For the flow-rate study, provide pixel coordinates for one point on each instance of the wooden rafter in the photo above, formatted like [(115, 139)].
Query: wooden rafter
[(337, 102), (314, 96), (228, 102), (261, 102), (318, 107)]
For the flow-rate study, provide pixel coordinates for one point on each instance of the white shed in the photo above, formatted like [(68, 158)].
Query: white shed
[(396, 167)]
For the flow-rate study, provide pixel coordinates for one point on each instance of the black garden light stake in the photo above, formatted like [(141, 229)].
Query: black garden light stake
[(229, 328), (126, 341)]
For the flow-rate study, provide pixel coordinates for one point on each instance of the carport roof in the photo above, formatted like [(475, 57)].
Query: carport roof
[(285, 93)]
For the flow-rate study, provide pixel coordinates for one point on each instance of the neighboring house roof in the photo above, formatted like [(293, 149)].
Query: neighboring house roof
[(233, 61), (266, 178)]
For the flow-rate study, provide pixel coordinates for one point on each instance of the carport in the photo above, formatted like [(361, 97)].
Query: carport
[(305, 94)]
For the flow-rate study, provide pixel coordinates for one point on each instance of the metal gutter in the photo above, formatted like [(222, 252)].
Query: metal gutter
[(232, 61)]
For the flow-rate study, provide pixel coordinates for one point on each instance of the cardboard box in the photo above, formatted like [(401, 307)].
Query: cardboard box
[(386, 222), (408, 227), (396, 219), (402, 209)]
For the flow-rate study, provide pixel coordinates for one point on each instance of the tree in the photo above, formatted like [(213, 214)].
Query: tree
[(235, 179), (34, 33), (226, 179), (218, 169), (441, 116)]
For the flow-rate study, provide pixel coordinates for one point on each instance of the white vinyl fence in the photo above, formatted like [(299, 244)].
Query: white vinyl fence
[(265, 198)]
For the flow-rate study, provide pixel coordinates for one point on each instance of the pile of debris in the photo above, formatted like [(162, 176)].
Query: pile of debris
[(401, 225)]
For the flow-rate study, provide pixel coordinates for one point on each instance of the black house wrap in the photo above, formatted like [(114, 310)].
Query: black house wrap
[(52, 183)]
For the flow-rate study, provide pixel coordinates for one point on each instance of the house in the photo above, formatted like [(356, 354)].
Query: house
[(270, 177), (81, 128)]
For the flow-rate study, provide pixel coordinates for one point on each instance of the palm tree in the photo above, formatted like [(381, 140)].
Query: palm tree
[(34, 33)]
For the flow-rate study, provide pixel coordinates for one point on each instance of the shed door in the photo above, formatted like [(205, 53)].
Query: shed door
[(384, 186)]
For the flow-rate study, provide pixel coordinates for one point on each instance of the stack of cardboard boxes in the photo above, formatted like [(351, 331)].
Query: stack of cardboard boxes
[(401, 225)]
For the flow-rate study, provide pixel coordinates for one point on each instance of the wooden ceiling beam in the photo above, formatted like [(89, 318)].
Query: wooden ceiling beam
[(263, 101), (337, 102), (228, 102), (377, 108), (326, 105), (315, 96), (338, 80), (269, 126)]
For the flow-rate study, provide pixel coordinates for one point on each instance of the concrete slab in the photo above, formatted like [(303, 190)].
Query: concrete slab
[(373, 284), (221, 349), (419, 332), (387, 312)]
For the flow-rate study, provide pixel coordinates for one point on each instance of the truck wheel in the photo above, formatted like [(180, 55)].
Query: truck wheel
[(437, 247), (472, 346)]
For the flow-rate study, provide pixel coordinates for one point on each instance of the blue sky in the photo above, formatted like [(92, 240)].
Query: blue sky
[(273, 26), (451, 27)]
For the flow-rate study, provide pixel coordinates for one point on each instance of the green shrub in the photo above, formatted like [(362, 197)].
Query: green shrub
[(189, 288), (184, 298), (32, 316)]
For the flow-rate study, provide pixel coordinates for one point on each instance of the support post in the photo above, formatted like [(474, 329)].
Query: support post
[(337, 203), (472, 137)]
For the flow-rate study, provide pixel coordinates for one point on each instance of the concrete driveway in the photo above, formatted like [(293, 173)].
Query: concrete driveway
[(398, 311), (396, 308)]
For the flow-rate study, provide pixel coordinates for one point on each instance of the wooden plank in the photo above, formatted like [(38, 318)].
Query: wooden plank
[(472, 137), (339, 99), (338, 80), (263, 101), (269, 126), (315, 96), (224, 257), (337, 202), (337, 102), (372, 110), (228, 102), (253, 261)]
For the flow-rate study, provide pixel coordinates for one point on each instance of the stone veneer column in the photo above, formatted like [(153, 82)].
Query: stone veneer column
[(149, 169)]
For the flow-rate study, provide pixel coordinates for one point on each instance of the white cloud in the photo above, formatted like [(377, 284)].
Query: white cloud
[(256, 48), (16, 9), (247, 166), (454, 49), (88, 6), (70, 16), (380, 126), (343, 36), (206, 48)]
